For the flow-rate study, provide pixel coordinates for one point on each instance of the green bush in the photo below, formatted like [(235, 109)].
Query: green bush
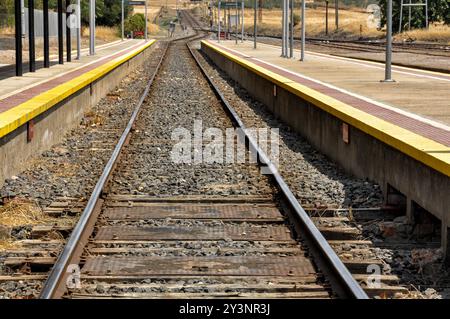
[(135, 23)]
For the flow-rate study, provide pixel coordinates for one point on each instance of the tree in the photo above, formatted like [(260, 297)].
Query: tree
[(447, 16), (438, 11), (135, 23)]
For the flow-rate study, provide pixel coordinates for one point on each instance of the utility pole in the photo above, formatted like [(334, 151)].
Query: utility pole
[(302, 55), (31, 40), (146, 22), (91, 27), (388, 67), (46, 36), (255, 29), (68, 33), (236, 23), (60, 33), (18, 20), (326, 17), (78, 29), (283, 30), (123, 18), (336, 6), (242, 23), (291, 42), (218, 23)]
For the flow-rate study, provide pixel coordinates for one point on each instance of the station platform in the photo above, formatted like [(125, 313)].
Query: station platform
[(23, 98), (36, 110), (415, 109), (396, 134)]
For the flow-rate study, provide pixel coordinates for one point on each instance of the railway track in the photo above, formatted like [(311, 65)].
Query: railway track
[(155, 229), (427, 49), (194, 244)]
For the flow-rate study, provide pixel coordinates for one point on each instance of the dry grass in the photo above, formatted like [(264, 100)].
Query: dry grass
[(106, 34), (24, 212), (435, 33), (153, 28), (9, 244), (7, 31), (92, 118), (20, 212), (351, 23)]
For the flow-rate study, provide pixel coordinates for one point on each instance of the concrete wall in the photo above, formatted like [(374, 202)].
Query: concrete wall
[(364, 156), (50, 126)]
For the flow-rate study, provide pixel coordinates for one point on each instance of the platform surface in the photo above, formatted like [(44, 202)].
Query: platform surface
[(412, 114), (22, 98)]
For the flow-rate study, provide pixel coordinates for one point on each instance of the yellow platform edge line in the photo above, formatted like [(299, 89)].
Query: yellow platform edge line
[(19, 115), (424, 150)]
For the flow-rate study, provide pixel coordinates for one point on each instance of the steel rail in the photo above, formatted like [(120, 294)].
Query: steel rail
[(53, 287), (57, 275), (349, 285)]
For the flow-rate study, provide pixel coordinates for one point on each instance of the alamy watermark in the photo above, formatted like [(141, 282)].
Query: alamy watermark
[(374, 18), (73, 20), (213, 145)]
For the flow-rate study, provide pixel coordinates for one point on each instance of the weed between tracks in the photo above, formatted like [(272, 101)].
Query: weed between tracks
[(20, 212)]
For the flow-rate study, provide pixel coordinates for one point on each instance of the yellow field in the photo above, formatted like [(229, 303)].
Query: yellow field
[(351, 23), (435, 33)]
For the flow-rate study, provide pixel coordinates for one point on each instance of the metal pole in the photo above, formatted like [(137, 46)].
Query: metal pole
[(242, 23), (409, 15), (79, 30), (146, 22), (123, 23), (401, 17), (60, 34), (31, 40), (18, 21), (68, 34), (92, 27), (218, 23), (236, 23), (286, 27), (291, 43), (326, 17), (302, 54), (426, 14), (283, 31), (336, 4), (388, 69), (255, 29), (46, 35)]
